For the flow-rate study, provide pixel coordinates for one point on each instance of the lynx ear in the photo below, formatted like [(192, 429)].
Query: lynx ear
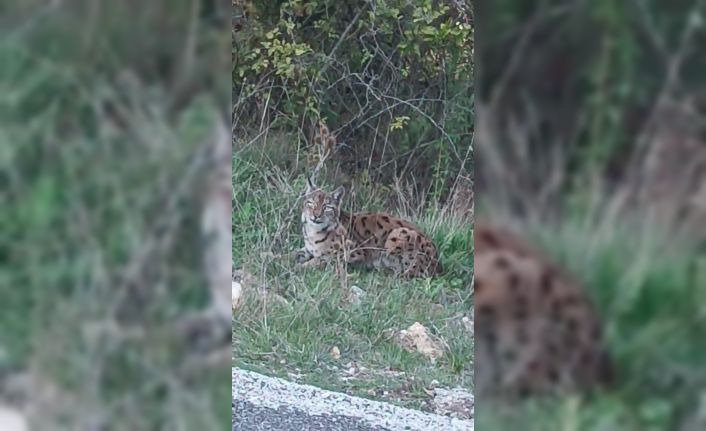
[(337, 194), (310, 186)]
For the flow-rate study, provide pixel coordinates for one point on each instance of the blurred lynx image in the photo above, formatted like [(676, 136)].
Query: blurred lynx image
[(115, 252), (590, 174)]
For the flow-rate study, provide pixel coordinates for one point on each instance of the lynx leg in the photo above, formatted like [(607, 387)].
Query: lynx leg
[(314, 262), (302, 256)]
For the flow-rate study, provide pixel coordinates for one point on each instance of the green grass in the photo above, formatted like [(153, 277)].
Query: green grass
[(292, 318), (96, 265), (652, 294)]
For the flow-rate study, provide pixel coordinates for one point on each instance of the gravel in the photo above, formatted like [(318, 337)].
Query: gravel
[(266, 403)]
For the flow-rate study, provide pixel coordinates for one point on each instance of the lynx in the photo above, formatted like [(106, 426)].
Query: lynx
[(373, 240), (536, 331)]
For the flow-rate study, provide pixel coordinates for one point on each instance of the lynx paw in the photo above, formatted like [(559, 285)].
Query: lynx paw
[(302, 256)]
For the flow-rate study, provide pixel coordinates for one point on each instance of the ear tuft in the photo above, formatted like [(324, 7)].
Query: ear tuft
[(310, 186), (337, 194)]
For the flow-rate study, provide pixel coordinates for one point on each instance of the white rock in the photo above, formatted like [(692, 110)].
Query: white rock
[(236, 294), (417, 338), (356, 295), (12, 420)]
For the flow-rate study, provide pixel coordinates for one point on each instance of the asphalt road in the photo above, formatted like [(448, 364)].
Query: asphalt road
[(249, 417), (262, 403)]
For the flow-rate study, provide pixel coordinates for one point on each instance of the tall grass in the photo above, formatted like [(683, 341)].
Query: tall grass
[(651, 290), (100, 180), (292, 318)]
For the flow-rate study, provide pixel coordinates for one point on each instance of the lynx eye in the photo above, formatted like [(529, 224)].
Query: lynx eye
[(310, 204)]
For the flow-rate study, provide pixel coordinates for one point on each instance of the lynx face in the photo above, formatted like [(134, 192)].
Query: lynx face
[(536, 330), (324, 237), (375, 240), (320, 209)]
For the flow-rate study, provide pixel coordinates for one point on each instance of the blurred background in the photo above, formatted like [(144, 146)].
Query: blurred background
[(591, 139), (112, 119)]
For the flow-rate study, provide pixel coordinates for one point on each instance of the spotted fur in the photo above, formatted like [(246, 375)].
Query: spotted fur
[(374, 240), (536, 330)]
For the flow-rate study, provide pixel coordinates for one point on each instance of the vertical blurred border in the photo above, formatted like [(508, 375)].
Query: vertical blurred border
[(591, 141), (115, 170)]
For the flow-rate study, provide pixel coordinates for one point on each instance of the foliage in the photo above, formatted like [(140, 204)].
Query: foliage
[(291, 318), (392, 71), (652, 300), (99, 196), (584, 80), (573, 95)]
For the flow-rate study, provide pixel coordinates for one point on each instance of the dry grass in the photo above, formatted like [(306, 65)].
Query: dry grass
[(100, 260), (292, 319), (650, 291)]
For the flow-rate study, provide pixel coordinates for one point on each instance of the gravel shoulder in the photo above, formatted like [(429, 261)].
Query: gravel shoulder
[(263, 403)]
